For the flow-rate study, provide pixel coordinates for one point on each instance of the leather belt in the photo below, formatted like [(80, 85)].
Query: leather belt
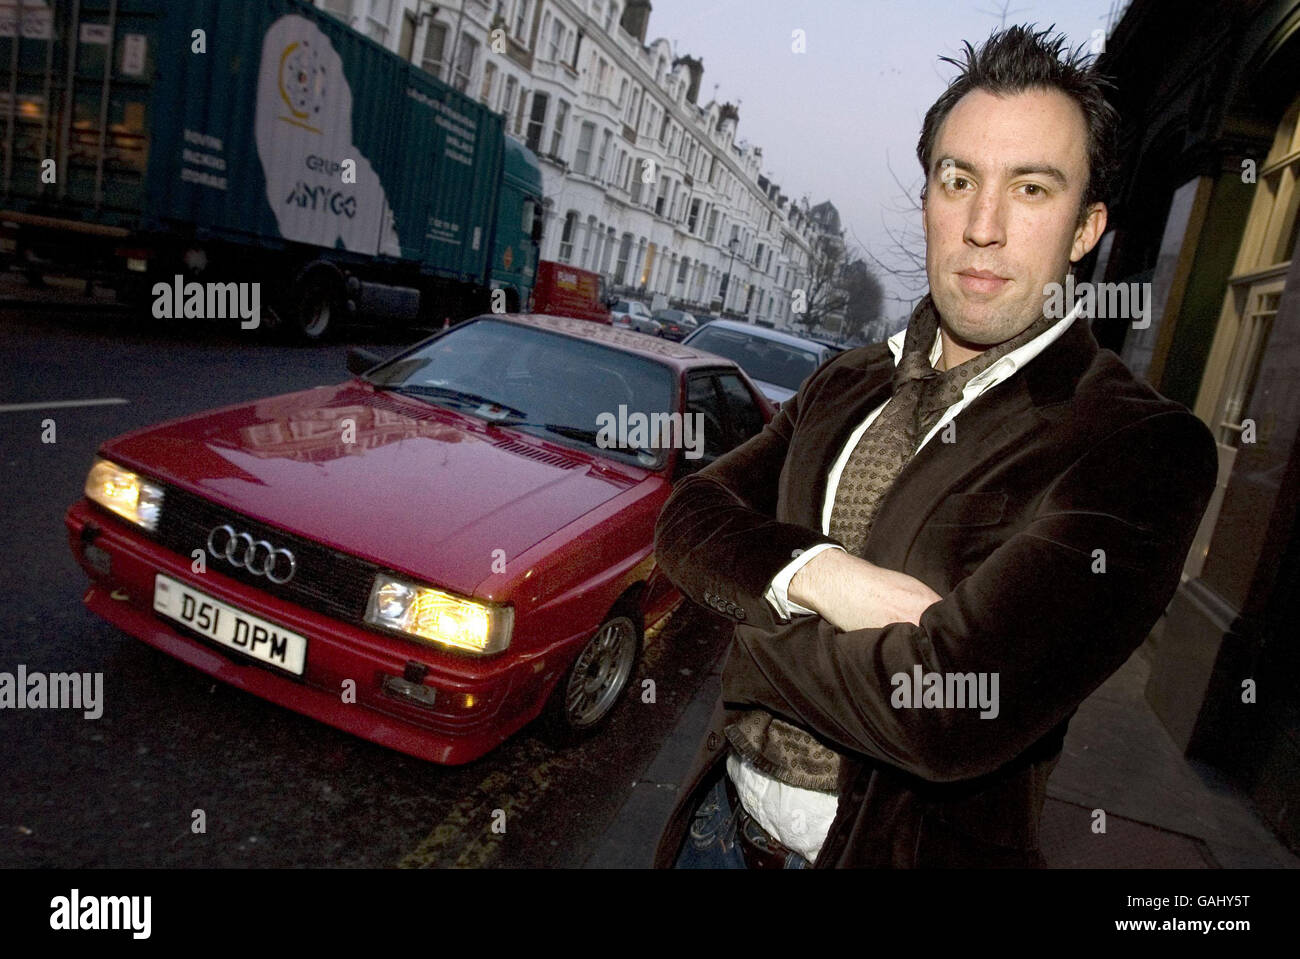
[(759, 847)]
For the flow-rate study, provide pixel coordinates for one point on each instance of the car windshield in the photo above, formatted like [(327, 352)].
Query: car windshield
[(762, 359), (563, 388)]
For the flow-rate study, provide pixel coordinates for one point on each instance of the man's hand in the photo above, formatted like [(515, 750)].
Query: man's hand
[(851, 593)]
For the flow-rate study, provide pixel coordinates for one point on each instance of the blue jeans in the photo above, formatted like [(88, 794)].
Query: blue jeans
[(712, 841)]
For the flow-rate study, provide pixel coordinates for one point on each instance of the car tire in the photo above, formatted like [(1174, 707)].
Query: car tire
[(591, 689), (318, 306)]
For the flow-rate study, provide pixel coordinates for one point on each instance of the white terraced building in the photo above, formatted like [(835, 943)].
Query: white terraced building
[(642, 184)]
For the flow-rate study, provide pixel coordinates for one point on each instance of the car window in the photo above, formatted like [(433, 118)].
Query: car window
[(709, 415), (548, 377), (762, 359), (746, 417)]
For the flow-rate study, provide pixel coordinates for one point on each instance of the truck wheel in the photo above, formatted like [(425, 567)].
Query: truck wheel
[(318, 306), (585, 697)]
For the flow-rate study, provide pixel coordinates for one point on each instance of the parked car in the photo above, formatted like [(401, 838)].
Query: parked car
[(634, 315), (778, 362), (676, 324), (431, 554)]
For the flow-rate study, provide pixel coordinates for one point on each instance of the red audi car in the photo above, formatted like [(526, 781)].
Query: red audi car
[(432, 554)]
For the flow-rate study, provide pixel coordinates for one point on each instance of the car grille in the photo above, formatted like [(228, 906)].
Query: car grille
[(325, 580)]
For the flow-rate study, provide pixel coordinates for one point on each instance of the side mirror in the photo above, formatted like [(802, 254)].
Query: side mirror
[(360, 360)]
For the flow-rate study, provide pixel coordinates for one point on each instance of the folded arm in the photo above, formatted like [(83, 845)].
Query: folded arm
[(1052, 612)]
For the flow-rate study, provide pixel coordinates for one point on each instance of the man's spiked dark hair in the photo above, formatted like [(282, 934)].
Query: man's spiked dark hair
[(1017, 59)]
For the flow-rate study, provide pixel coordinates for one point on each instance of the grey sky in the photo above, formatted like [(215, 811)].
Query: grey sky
[(834, 120)]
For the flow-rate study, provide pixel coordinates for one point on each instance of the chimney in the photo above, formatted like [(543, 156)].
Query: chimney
[(636, 17), (696, 68)]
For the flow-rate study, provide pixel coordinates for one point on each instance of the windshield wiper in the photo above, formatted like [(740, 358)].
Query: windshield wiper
[(450, 393)]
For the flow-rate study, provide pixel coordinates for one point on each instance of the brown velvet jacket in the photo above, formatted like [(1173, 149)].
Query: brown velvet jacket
[(1055, 528)]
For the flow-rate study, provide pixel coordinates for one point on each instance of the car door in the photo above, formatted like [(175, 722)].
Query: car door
[(725, 414)]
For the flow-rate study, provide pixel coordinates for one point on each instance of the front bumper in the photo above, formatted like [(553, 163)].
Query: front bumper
[(478, 703)]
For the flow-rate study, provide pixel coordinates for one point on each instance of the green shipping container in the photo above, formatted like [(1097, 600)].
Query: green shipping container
[(265, 122)]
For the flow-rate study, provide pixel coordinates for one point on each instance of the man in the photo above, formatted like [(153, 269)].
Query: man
[(944, 543)]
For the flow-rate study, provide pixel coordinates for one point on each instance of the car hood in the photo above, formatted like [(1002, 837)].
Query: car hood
[(394, 480)]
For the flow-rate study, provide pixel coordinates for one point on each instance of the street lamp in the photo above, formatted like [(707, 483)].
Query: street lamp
[(726, 282)]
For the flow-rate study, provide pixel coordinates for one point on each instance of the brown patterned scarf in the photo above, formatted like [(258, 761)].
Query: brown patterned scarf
[(921, 394)]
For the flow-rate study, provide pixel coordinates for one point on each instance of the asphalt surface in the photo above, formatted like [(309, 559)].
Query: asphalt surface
[(275, 788)]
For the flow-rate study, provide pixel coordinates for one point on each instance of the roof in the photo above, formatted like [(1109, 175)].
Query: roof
[(665, 351), (753, 329)]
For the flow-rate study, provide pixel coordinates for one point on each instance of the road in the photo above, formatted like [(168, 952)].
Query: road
[(275, 788)]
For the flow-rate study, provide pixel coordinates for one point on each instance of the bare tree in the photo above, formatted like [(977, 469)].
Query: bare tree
[(904, 256), (866, 298), (824, 296)]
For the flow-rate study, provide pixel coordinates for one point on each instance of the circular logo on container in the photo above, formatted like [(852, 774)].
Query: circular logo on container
[(508, 257), (302, 80)]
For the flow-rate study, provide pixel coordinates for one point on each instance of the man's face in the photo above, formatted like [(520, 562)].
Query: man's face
[(1002, 210)]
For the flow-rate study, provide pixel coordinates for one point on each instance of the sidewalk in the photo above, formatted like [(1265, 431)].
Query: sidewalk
[(1162, 811)]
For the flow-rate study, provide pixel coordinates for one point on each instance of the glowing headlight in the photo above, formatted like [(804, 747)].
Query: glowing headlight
[(436, 617), (125, 493)]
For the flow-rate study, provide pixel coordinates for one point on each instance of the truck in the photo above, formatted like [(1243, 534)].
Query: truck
[(162, 148), (563, 290)]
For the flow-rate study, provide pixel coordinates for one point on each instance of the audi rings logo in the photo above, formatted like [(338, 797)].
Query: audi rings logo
[(255, 555)]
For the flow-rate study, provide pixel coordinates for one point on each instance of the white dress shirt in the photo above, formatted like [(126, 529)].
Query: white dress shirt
[(800, 818)]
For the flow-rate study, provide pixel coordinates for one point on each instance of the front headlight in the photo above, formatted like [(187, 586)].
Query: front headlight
[(130, 496), (433, 616)]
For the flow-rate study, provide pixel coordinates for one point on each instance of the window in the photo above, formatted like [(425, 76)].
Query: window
[(566, 236), (489, 77), (663, 194), (713, 227), (537, 121), (557, 39), (586, 241), (603, 76), (378, 19), (521, 19), (624, 251), (604, 153), (519, 114), (466, 54), (702, 398), (746, 418), (582, 159), (508, 104), (406, 45), (609, 251), (638, 167), (561, 117), (622, 93), (694, 217)]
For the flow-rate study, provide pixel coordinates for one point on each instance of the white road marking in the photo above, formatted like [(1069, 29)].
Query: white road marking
[(61, 404)]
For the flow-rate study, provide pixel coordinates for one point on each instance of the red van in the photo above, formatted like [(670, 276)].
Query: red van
[(563, 290)]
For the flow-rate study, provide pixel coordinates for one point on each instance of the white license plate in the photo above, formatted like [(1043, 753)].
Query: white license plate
[(229, 626)]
